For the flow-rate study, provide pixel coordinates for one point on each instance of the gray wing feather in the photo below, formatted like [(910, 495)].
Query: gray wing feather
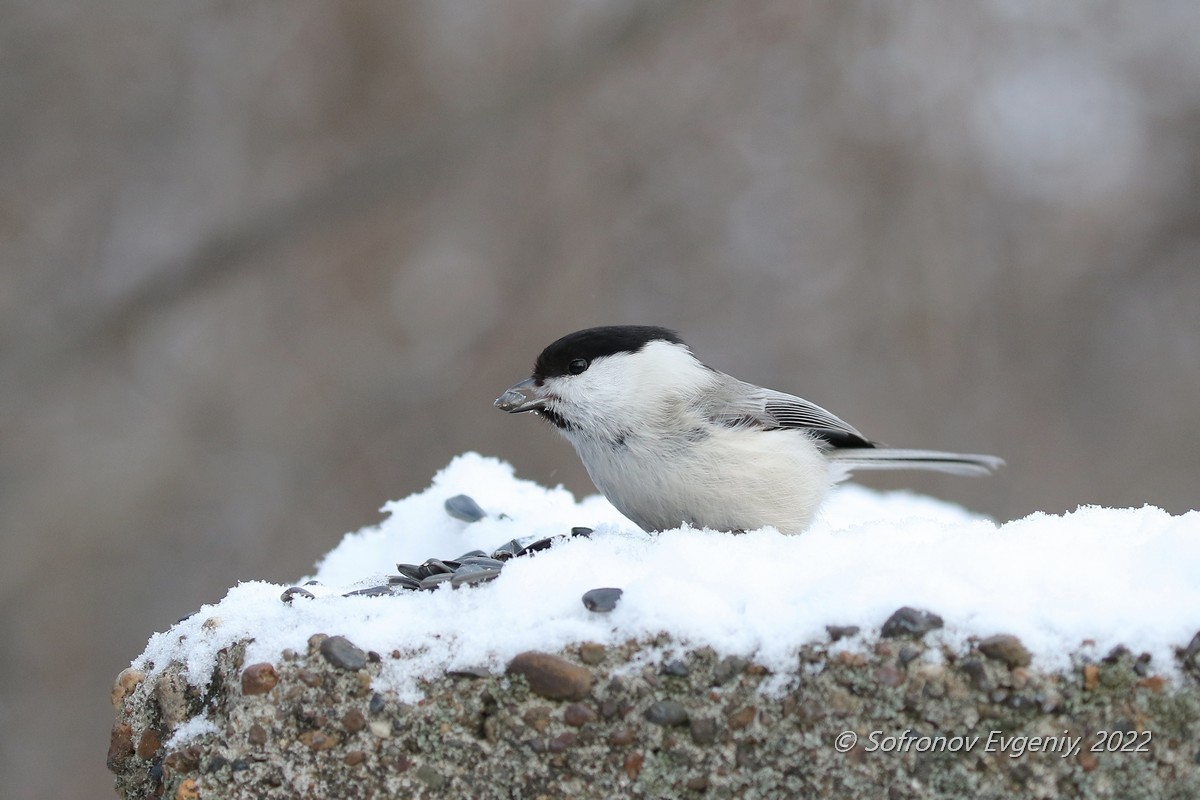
[(744, 404)]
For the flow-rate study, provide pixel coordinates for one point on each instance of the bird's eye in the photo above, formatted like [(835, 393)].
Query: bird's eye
[(577, 366)]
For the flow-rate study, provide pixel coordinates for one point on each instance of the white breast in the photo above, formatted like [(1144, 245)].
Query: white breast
[(713, 477)]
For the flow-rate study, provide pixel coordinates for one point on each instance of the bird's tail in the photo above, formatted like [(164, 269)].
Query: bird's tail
[(895, 458)]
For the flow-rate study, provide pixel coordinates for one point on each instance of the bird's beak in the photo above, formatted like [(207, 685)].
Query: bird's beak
[(521, 397)]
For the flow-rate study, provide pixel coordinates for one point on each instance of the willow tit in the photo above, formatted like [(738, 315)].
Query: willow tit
[(669, 440)]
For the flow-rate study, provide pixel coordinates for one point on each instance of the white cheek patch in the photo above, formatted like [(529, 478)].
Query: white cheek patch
[(597, 399), (620, 392)]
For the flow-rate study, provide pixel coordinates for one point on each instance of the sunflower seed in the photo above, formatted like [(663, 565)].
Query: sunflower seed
[(432, 581), (293, 592), (371, 591), (472, 577), (464, 507)]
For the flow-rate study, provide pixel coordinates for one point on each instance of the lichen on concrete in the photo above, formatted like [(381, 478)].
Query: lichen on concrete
[(633, 724)]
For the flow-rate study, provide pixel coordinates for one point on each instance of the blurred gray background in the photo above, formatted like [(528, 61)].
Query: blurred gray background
[(265, 266)]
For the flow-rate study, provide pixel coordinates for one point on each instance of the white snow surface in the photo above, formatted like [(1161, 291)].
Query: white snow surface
[(1091, 579)]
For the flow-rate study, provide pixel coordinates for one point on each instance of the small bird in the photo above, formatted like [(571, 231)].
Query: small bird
[(670, 440)]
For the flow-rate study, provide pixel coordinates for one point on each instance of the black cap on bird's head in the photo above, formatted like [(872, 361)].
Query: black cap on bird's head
[(591, 343)]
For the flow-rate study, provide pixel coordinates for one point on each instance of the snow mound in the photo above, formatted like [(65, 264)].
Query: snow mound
[(1094, 578)]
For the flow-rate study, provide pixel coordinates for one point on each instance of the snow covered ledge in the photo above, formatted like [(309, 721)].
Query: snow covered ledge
[(754, 665)]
